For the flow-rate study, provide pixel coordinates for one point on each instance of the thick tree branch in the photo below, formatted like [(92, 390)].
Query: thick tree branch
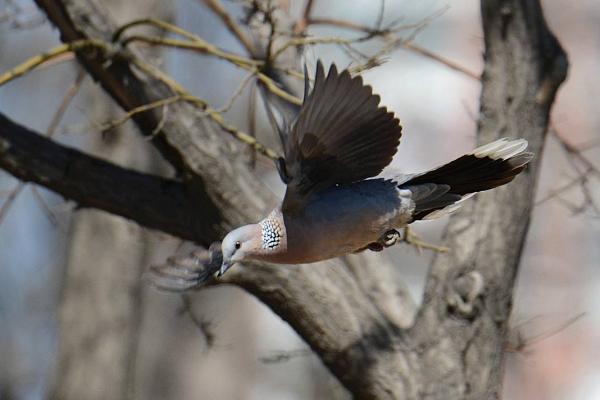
[(151, 201)]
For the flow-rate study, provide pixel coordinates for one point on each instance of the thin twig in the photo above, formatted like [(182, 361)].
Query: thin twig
[(143, 108), (197, 45), (239, 61), (575, 154), (158, 24), (272, 86), (44, 206), (303, 22), (556, 192), (379, 21), (403, 43), (161, 123), (216, 7), (65, 102), (308, 8), (341, 23), (57, 51), (573, 150), (270, 19), (238, 91), (252, 120), (54, 123), (10, 200), (431, 55), (525, 343), (201, 45), (304, 41), (211, 113), (419, 244)]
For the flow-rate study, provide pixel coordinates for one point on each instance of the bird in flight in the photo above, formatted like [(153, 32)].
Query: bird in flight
[(334, 203)]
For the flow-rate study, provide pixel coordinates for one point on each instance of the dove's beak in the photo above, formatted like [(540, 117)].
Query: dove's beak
[(224, 267)]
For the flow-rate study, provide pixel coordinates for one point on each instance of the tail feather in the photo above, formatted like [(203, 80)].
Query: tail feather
[(487, 167)]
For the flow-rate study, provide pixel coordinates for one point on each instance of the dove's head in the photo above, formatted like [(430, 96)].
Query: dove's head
[(240, 244)]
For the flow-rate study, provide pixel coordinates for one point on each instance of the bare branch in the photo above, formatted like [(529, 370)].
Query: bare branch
[(237, 93), (520, 344), (448, 63), (182, 94), (574, 150), (197, 45), (414, 240), (157, 23), (216, 7), (39, 59), (556, 192), (44, 206), (54, 123), (10, 199), (575, 156), (397, 41), (303, 22), (157, 203)]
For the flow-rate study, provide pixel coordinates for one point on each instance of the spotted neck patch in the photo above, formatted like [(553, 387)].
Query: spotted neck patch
[(271, 233)]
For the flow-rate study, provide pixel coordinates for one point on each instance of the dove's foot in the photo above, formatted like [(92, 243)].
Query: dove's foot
[(390, 238), (184, 273)]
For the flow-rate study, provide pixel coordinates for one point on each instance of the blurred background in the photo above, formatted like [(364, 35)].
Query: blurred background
[(221, 343)]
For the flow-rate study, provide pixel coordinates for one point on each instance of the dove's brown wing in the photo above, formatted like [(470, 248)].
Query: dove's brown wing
[(341, 136)]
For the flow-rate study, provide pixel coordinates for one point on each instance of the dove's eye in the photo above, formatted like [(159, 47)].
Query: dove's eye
[(238, 244)]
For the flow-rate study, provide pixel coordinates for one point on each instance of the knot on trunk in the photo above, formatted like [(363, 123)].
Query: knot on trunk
[(464, 291)]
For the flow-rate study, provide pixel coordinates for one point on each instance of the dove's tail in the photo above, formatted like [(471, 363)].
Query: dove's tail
[(442, 190)]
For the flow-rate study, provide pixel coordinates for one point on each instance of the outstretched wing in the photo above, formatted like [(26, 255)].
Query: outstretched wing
[(341, 136)]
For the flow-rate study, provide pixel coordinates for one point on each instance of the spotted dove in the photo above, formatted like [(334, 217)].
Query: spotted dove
[(334, 203)]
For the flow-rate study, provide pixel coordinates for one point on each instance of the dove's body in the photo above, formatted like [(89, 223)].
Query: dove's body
[(339, 220), (340, 140)]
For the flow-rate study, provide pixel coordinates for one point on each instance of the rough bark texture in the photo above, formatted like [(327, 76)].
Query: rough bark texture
[(358, 327)]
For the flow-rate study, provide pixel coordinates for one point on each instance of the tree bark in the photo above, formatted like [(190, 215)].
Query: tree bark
[(454, 349)]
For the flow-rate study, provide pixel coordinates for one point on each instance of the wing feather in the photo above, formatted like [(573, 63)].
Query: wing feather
[(341, 136)]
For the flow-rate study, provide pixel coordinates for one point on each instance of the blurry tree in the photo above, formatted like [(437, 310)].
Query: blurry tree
[(354, 315)]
